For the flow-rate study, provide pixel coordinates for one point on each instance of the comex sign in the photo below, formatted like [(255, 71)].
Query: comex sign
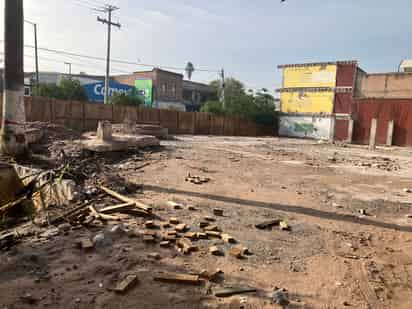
[(95, 91)]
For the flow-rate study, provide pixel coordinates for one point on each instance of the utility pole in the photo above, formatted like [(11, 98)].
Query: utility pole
[(35, 52), (222, 75), (108, 9), (70, 69), (12, 138)]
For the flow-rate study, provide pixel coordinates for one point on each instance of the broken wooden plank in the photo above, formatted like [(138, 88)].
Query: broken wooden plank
[(191, 235), (211, 275), (165, 244), (268, 224), (211, 228), (125, 199), (10, 205), (201, 235), (126, 284), (213, 234), (233, 291), (116, 208), (178, 278), (69, 213)]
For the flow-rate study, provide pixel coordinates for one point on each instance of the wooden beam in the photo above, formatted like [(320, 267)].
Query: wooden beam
[(126, 199)]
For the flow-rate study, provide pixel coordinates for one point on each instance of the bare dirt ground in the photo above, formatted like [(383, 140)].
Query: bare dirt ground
[(350, 243)]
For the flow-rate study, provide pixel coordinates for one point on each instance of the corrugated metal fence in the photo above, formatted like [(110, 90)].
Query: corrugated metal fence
[(385, 110)]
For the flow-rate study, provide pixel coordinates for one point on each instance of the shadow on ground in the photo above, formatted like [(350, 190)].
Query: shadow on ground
[(287, 208)]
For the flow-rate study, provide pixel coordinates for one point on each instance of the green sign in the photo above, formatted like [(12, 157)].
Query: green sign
[(144, 89)]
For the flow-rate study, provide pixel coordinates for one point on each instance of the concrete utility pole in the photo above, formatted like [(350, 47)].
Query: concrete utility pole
[(222, 74), (12, 138), (35, 52), (109, 9)]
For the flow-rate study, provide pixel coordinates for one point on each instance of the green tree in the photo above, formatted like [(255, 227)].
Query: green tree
[(66, 90), (129, 98), (214, 107), (72, 90), (258, 106)]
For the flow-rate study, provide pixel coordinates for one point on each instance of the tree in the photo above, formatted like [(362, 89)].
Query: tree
[(72, 90), (189, 70), (258, 106), (126, 99), (66, 90), (214, 107)]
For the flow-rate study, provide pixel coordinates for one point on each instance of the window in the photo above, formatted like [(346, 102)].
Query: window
[(163, 88)]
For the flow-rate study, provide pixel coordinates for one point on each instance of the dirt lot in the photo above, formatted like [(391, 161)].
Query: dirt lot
[(349, 243)]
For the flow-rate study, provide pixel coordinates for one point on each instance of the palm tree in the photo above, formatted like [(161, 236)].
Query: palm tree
[(189, 70)]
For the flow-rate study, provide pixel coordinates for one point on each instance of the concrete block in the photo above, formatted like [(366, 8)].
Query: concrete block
[(372, 137), (104, 131), (389, 137)]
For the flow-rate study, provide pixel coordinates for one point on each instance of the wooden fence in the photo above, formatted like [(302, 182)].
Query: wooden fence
[(83, 116)]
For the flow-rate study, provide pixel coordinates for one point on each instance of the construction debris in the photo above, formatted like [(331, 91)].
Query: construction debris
[(178, 278), (174, 221), (218, 212), (125, 199), (175, 205), (214, 250), (284, 226), (85, 243), (181, 228), (186, 245), (227, 292), (126, 284), (198, 180), (154, 256), (237, 252), (212, 275), (268, 224), (227, 238)]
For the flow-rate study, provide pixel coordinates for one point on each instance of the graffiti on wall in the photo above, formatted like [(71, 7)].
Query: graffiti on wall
[(305, 127)]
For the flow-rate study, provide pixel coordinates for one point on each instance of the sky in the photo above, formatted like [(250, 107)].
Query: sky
[(246, 38)]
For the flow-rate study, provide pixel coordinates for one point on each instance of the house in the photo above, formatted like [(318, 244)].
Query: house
[(167, 90)]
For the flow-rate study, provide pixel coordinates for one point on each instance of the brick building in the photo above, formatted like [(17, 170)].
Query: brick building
[(170, 91)]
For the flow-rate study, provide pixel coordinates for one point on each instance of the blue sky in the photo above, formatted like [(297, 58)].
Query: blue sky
[(248, 38)]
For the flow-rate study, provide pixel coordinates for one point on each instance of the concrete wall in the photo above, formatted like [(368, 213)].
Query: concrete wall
[(83, 116), (305, 126), (388, 86)]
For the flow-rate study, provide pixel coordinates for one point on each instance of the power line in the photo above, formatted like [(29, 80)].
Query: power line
[(118, 61), (88, 65)]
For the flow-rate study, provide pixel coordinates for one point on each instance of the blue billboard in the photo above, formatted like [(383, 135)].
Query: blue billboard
[(95, 91)]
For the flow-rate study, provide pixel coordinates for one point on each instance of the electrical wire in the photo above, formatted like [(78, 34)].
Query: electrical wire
[(116, 60)]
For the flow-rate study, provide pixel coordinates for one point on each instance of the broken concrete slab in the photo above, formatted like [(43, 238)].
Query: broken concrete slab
[(117, 142)]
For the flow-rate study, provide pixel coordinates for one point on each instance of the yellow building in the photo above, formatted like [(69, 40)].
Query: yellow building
[(308, 88)]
